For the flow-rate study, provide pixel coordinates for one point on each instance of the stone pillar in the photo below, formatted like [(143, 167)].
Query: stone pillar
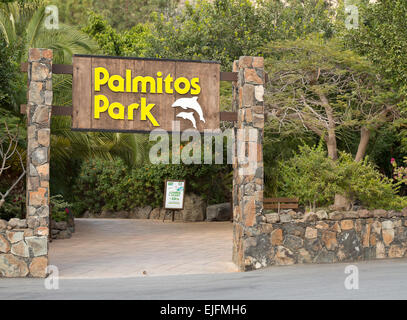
[(38, 149), (250, 249), (24, 242)]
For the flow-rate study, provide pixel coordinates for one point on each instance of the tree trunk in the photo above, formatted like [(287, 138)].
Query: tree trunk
[(363, 143), (331, 146), (341, 202)]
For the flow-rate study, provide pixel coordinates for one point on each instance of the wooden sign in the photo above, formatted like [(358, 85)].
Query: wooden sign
[(174, 192), (139, 95)]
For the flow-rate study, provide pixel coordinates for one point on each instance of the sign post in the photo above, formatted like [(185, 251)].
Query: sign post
[(174, 192)]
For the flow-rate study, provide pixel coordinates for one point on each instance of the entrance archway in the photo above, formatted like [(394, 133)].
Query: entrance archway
[(248, 89)]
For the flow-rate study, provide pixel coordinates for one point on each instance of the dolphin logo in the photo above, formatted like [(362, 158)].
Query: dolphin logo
[(190, 103), (188, 116)]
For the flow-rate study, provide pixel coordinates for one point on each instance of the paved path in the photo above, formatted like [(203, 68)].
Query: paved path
[(379, 279), (116, 248)]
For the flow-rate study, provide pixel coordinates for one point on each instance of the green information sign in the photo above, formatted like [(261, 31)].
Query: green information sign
[(174, 194)]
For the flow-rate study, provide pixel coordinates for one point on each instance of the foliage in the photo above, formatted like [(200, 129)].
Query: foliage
[(121, 14), (59, 208), (279, 147), (316, 85), (12, 164), (14, 207), (70, 149), (361, 181), (309, 175), (381, 37), (23, 25), (221, 30), (315, 179), (111, 185), (399, 172), (11, 78), (133, 41)]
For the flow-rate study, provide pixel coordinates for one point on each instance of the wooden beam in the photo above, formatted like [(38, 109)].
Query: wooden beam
[(268, 206), (228, 116), (56, 68), (56, 110), (281, 199), (68, 69), (228, 76)]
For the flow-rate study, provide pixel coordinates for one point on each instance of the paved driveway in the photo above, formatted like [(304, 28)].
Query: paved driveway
[(116, 248), (379, 279)]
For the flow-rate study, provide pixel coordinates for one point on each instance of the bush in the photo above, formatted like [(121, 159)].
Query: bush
[(360, 181), (98, 185), (59, 208), (111, 185), (315, 179), (219, 30), (309, 175), (14, 207)]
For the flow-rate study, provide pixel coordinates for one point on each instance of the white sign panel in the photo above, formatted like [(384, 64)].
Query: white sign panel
[(174, 194)]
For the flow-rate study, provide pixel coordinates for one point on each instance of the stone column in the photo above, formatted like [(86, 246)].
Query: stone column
[(249, 246), (38, 149)]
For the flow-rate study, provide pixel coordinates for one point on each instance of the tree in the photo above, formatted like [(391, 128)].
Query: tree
[(223, 30), (381, 38), (318, 86), (133, 42), (219, 30), (11, 80), (22, 24), (120, 14), (9, 153)]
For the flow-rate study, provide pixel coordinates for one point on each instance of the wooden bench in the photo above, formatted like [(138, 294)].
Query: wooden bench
[(280, 203)]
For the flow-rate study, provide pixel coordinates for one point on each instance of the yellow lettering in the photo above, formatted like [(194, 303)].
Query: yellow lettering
[(159, 82), (144, 81), (98, 80), (145, 112), (195, 85), (116, 115), (130, 110), (168, 80), (98, 107), (178, 88), (116, 88), (128, 80)]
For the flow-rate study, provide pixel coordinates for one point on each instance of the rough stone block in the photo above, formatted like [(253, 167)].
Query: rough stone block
[(39, 245), (38, 267), (219, 212), (12, 266)]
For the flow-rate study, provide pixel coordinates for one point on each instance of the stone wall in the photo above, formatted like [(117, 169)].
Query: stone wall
[(62, 229), (194, 210), (327, 237), (24, 246), (22, 252)]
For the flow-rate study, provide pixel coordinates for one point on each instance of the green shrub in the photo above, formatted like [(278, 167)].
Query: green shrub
[(315, 179), (59, 207), (98, 185), (14, 207), (111, 185), (309, 175), (363, 182)]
